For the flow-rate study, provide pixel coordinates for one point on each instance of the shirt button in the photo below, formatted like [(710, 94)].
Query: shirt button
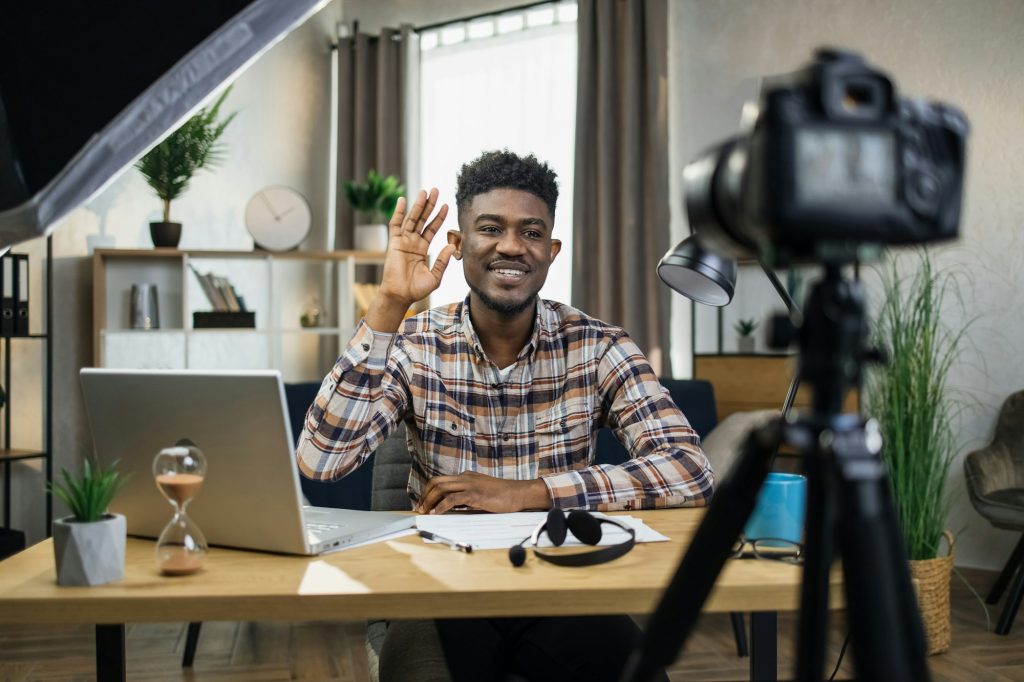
[(366, 346), (455, 427), (505, 436)]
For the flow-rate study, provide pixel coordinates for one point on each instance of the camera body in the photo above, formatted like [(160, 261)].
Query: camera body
[(833, 163)]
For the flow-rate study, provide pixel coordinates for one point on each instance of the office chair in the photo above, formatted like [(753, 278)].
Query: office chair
[(995, 485)]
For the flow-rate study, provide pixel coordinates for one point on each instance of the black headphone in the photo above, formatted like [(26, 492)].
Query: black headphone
[(585, 527)]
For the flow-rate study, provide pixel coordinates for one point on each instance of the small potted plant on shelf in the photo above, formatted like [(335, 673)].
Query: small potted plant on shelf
[(89, 545), (745, 329), (169, 166), (910, 399), (375, 201)]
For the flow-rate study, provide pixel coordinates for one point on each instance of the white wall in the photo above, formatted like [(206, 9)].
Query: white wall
[(280, 136), (967, 53)]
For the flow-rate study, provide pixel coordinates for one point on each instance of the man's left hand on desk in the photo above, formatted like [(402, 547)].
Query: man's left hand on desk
[(483, 493)]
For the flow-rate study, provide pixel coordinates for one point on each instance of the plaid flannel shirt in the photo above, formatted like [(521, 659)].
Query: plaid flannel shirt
[(574, 375)]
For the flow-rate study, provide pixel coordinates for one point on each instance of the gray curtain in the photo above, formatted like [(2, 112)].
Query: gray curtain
[(620, 205), (371, 111)]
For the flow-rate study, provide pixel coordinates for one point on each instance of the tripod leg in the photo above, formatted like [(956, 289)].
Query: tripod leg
[(885, 624), (712, 544), (818, 554), (1012, 604), (1015, 560)]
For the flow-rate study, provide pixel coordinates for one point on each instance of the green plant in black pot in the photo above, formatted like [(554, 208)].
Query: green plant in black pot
[(375, 200), (89, 545), (168, 167)]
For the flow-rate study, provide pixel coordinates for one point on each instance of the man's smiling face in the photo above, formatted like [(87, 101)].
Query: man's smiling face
[(505, 244)]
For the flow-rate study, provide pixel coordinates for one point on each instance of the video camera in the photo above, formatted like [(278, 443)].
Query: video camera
[(831, 164)]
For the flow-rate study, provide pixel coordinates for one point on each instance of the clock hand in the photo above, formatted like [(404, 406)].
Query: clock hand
[(271, 208), (287, 211)]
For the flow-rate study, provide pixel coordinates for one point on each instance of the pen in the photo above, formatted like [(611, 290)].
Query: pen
[(461, 546)]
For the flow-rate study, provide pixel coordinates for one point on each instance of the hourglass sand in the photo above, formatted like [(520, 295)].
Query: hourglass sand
[(179, 474)]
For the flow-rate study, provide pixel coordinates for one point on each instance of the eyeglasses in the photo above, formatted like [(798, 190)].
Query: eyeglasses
[(776, 549)]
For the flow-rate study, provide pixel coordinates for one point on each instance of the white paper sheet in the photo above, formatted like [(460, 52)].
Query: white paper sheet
[(501, 531)]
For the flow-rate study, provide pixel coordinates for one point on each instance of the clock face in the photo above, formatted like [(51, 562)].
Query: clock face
[(278, 218)]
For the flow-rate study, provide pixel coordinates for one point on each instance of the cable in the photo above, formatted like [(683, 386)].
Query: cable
[(840, 661)]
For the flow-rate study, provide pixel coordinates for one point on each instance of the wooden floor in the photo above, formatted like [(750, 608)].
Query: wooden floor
[(335, 651)]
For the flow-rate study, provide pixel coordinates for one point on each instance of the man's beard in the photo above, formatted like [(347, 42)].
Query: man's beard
[(505, 309)]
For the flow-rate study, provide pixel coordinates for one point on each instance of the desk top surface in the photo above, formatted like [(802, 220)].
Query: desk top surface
[(403, 578)]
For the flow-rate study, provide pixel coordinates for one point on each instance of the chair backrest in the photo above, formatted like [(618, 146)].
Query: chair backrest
[(1000, 464), (695, 397), (350, 492), (391, 474)]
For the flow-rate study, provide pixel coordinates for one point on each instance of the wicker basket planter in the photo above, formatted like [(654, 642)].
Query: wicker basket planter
[(932, 577)]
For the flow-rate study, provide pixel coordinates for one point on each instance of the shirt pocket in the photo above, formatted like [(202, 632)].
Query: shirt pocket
[(564, 435), (447, 434)]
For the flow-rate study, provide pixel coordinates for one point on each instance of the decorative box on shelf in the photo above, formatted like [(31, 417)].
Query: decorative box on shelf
[(215, 319)]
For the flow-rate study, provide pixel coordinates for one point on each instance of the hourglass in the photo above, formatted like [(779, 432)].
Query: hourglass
[(179, 474)]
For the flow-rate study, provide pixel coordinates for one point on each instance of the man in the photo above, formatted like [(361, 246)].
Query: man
[(502, 395)]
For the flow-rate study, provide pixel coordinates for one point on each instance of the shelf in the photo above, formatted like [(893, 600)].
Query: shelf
[(361, 257), (315, 331), (13, 454), (278, 287), (24, 336)]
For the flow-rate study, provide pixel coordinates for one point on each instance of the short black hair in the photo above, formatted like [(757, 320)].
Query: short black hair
[(502, 169)]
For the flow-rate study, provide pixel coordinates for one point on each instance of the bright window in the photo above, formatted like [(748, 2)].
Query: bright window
[(502, 82)]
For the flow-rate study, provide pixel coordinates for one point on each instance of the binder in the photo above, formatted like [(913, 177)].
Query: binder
[(6, 295), (21, 294)]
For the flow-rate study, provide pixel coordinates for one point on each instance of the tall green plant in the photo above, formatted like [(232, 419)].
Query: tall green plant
[(910, 399), (170, 165)]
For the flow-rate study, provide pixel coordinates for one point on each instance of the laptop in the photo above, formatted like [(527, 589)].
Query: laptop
[(250, 497)]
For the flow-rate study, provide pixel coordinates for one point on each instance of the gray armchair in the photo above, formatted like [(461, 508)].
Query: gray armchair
[(995, 484)]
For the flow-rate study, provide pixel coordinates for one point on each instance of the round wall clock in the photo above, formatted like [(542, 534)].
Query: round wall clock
[(278, 218)]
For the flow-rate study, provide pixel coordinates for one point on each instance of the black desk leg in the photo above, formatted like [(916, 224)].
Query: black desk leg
[(110, 653), (764, 655)]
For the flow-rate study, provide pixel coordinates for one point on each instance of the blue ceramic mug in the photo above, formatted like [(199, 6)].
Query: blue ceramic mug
[(779, 512)]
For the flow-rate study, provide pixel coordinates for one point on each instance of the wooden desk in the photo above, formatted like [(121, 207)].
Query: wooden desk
[(404, 578)]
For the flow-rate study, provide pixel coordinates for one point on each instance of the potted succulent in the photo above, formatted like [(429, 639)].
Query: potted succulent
[(89, 545), (375, 201), (909, 398), (745, 329), (169, 166)]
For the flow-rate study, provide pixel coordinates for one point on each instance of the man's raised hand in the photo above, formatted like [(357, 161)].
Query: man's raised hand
[(407, 277)]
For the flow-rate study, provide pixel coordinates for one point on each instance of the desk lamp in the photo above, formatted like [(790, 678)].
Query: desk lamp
[(707, 277)]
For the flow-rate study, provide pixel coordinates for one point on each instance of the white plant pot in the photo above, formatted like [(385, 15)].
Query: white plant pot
[(745, 344), (89, 553), (371, 237)]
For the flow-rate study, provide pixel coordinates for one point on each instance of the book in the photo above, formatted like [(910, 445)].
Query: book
[(208, 289), (226, 292), (21, 294), (7, 303)]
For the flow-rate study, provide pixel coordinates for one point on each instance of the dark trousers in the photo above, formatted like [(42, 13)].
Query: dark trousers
[(585, 648)]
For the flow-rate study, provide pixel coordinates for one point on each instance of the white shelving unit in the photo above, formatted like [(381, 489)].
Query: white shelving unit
[(277, 286)]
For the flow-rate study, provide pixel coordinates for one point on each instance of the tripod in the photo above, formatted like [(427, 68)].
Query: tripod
[(849, 511)]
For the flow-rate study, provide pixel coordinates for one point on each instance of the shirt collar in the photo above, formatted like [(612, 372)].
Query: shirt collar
[(540, 321)]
